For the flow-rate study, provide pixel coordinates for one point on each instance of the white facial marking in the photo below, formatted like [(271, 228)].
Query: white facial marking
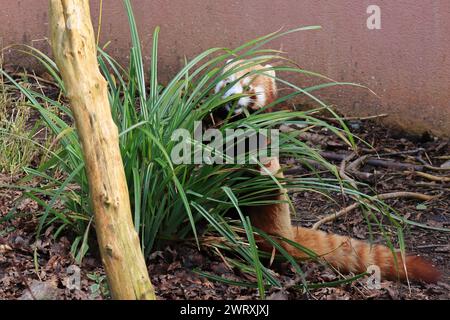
[(270, 72), (260, 96), (244, 101), (246, 81), (236, 89), (238, 111), (219, 86)]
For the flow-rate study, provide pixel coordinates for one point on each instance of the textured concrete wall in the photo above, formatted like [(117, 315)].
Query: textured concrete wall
[(406, 63)]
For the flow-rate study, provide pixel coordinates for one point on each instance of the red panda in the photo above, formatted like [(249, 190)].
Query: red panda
[(258, 84)]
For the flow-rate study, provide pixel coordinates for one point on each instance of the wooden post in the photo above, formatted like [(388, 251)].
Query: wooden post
[(74, 49)]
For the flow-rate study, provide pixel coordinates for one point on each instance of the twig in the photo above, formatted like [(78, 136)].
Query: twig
[(223, 259), (353, 168), (363, 176), (366, 118), (334, 216), (432, 246), (431, 185), (355, 165), (354, 118), (441, 146), (375, 162), (383, 196), (397, 153), (315, 138), (431, 177), (436, 168), (428, 158), (430, 166), (37, 78), (342, 168), (394, 165), (404, 194)]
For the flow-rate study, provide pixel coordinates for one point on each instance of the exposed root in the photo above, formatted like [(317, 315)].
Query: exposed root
[(432, 177), (383, 196)]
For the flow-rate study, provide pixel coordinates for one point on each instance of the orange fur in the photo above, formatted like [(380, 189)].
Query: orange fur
[(344, 253), (350, 255)]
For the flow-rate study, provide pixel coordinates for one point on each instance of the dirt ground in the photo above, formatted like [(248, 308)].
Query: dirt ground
[(31, 269)]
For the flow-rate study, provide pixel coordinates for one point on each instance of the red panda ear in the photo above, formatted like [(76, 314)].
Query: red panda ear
[(270, 71)]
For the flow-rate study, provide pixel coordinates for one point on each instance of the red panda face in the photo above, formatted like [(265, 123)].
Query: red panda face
[(257, 83)]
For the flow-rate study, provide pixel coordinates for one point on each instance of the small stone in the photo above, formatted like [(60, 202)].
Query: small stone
[(446, 165), (41, 291)]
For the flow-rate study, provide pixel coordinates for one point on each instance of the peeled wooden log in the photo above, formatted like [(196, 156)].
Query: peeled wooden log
[(74, 49)]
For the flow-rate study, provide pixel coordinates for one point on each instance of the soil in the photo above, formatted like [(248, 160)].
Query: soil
[(44, 268)]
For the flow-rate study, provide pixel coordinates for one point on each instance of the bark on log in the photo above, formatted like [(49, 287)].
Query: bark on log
[(74, 50)]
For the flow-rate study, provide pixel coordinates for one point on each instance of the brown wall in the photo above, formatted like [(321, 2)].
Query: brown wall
[(406, 63)]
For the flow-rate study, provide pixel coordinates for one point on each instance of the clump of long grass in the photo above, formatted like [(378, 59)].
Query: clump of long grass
[(17, 149), (182, 201)]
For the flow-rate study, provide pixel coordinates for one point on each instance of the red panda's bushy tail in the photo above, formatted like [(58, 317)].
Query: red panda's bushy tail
[(350, 255)]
